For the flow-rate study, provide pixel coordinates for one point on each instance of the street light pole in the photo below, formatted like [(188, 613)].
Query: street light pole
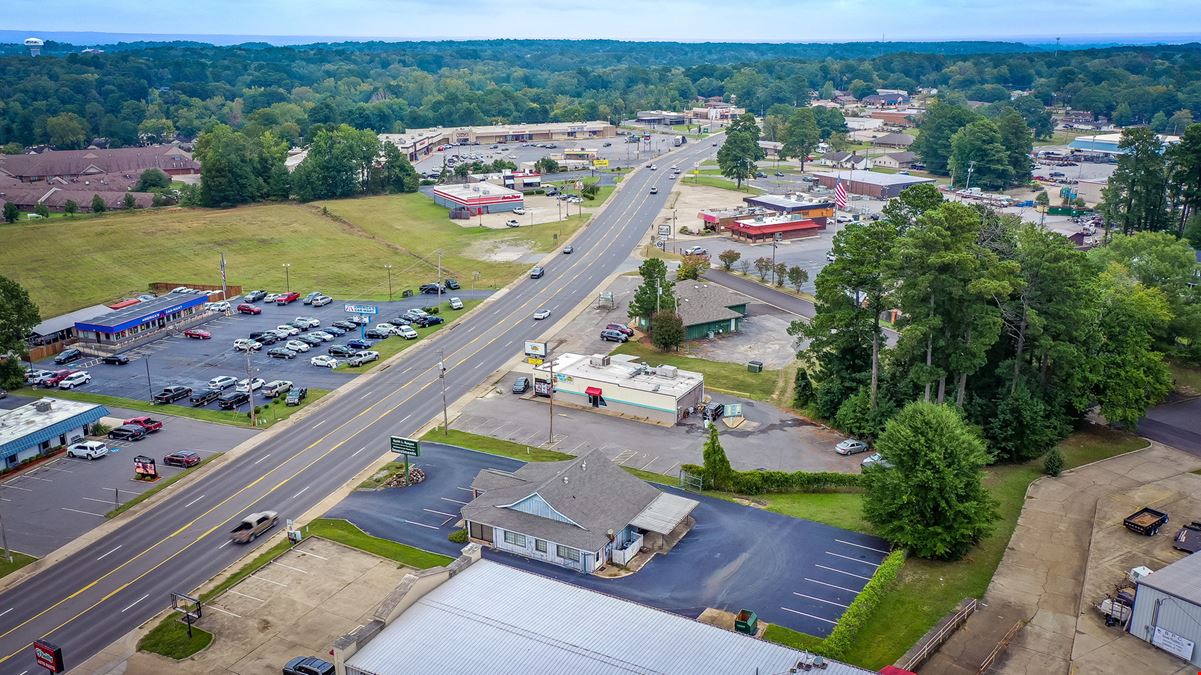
[(439, 279), (389, 268), (442, 376), (149, 385), (550, 427), (250, 393), (8, 552), (287, 277)]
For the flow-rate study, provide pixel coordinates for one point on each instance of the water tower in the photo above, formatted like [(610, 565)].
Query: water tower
[(35, 46)]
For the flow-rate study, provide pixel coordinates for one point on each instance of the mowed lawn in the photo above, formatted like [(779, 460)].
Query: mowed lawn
[(69, 263)]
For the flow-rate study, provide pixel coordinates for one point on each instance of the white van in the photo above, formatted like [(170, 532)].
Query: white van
[(87, 450)]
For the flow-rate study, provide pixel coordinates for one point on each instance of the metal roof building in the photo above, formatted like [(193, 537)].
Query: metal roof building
[(1167, 609), (491, 618), (617, 383), (47, 423), (131, 321)]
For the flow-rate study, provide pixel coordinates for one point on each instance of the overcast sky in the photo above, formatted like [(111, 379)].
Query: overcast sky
[(687, 20)]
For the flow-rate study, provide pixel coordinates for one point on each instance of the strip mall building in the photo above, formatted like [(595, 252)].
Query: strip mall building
[(474, 199)]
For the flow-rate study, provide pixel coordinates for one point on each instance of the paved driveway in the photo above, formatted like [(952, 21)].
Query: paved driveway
[(792, 572), (1176, 424)]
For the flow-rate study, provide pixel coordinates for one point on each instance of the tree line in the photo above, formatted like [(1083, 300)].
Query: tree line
[(1156, 188)]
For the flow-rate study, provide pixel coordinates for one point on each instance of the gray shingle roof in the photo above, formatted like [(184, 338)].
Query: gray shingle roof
[(591, 491), (704, 303), (894, 139)]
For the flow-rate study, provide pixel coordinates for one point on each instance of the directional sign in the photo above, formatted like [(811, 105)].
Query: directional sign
[(410, 447), (665, 230), (362, 309)]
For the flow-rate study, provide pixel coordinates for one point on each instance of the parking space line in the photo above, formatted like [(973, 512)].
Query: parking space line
[(467, 489), (448, 515), (14, 487), (841, 588), (837, 555), (102, 501), (811, 616), (851, 543), (828, 602), (237, 592), (135, 602), (98, 515), (268, 580), (51, 468), (643, 467), (224, 611), (857, 576), (313, 554), (47, 480), (112, 551), (132, 492), (419, 524), (193, 501), (294, 569), (448, 499)]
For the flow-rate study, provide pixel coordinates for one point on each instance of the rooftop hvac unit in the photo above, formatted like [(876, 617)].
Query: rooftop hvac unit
[(598, 361), (42, 406), (670, 372)]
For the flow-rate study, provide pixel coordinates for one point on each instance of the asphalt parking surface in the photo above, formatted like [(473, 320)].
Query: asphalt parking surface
[(794, 573), (177, 360), (619, 153), (49, 505)]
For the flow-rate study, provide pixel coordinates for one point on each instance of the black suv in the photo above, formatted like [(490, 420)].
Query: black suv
[(231, 401), (431, 289), (376, 334), (341, 350), (115, 359), (429, 321), (127, 432), (308, 665), (68, 355), (265, 337), (295, 396), (452, 284)]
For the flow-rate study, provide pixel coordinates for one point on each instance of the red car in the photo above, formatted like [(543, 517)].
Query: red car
[(197, 334), (147, 423), (248, 309), (621, 328), (183, 458), (59, 376), (287, 298)]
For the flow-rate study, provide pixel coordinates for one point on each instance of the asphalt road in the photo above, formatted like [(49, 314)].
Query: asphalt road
[(792, 572), (97, 595)]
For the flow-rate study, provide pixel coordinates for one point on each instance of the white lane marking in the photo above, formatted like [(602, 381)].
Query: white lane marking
[(6, 611), (135, 602), (224, 611), (112, 551), (289, 567), (268, 580), (448, 499), (477, 365), (358, 451), (419, 524), (319, 423), (301, 492), (227, 542), (832, 569), (851, 543), (838, 555), (5, 499), (193, 501), (237, 592), (841, 588), (828, 602), (98, 515), (402, 421), (811, 616), (370, 393), (14, 487), (314, 555), (262, 458), (449, 515)]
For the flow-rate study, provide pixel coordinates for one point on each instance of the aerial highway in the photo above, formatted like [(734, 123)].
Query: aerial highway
[(93, 597)]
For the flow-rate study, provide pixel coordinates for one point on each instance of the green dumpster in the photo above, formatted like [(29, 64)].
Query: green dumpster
[(754, 366), (746, 622)]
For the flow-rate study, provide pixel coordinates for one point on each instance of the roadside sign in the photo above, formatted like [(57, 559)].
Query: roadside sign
[(533, 348), (733, 410), (48, 655), (409, 447), (665, 230), (534, 361), (361, 309), (600, 162), (144, 467)]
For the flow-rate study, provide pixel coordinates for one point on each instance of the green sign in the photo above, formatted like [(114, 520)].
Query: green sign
[(409, 447)]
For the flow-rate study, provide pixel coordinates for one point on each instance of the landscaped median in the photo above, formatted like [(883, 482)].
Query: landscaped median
[(269, 413), (395, 345), (19, 560)]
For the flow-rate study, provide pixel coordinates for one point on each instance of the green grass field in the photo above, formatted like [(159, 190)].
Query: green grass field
[(719, 182), (66, 264), (346, 533), (19, 560)]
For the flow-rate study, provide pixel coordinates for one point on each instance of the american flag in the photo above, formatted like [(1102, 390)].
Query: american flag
[(840, 195)]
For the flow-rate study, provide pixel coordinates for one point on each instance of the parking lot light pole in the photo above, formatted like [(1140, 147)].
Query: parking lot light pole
[(250, 393), (149, 386), (389, 268), (550, 428), (8, 552), (442, 376), (287, 278)]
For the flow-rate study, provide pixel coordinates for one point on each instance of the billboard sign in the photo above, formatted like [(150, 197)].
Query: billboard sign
[(409, 447), (48, 656), (533, 348), (361, 309)]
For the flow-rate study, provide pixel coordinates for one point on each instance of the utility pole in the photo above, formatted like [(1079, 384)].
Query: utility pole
[(8, 552), (439, 279), (224, 287), (389, 268), (442, 376), (971, 166), (550, 433), (250, 392), (775, 240), (287, 278), (149, 386)]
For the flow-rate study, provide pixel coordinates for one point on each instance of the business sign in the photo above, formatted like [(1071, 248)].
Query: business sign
[(410, 447), (665, 230), (533, 348), (144, 467), (600, 162), (48, 656), (361, 309), (542, 387), (1173, 643)]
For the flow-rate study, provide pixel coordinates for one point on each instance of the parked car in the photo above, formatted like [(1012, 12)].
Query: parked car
[(221, 306), (127, 432), (222, 382), (149, 424), (276, 387), (287, 298), (183, 458), (377, 333), (244, 345), (245, 308), (609, 335), (323, 361), (295, 396), (875, 459), (427, 321), (340, 350), (306, 322), (451, 284), (321, 301), (233, 400), (296, 346), (247, 385), (456, 303), (74, 380), (521, 385), (537, 273), (541, 314), (850, 447), (252, 526), (115, 359), (88, 450), (695, 250), (288, 328), (344, 324), (68, 355), (310, 340), (413, 314), (308, 299), (271, 297), (204, 398), (56, 377), (621, 328), (519, 211), (255, 296), (35, 375), (384, 327), (512, 222), (407, 332), (358, 344), (264, 337), (322, 335), (361, 320), (362, 357), (281, 334), (568, 250), (713, 411), (308, 665), (334, 331), (172, 394), (281, 353), (431, 289)]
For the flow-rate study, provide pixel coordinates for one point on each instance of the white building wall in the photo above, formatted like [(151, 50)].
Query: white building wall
[(1153, 607), (530, 550)]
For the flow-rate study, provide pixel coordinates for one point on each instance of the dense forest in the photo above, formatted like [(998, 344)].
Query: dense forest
[(148, 93)]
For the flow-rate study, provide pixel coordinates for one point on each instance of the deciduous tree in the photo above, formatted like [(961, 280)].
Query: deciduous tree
[(667, 330), (728, 257)]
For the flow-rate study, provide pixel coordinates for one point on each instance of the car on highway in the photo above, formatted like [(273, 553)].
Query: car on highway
[(276, 387), (609, 335), (232, 400), (537, 273), (456, 303), (172, 394), (850, 447), (182, 458), (568, 250), (246, 308), (288, 328), (306, 322), (246, 385), (830, 257), (621, 328), (244, 345), (115, 359), (323, 361), (75, 379), (204, 398), (295, 396), (521, 385), (358, 344), (541, 314), (87, 450), (281, 353), (308, 665), (68, 355), (127, 432), (875, 459), (252, 526), (652, 167), (654, 189), (360, 358)]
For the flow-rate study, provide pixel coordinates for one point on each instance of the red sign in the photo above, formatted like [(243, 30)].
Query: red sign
[(48, 656), (145, 467)]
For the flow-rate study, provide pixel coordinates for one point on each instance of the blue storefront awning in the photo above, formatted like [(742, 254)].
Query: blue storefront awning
[(35, 438)]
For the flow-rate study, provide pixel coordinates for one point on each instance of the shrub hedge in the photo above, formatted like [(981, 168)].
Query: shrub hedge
[(758, 482), (838, 642)]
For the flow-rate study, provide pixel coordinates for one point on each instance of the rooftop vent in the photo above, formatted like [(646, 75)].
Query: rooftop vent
[(42, 406)]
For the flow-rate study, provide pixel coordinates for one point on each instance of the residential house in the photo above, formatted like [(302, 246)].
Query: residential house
[(844, 160), (901, 141), (894, 160), (889, 100), (580, 513)]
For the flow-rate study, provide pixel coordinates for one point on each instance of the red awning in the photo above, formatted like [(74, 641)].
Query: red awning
[(593, 391)]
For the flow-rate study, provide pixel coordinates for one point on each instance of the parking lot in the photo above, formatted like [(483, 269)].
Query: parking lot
[(49, 505), (792, 572), (619, 153), (177, 360)]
